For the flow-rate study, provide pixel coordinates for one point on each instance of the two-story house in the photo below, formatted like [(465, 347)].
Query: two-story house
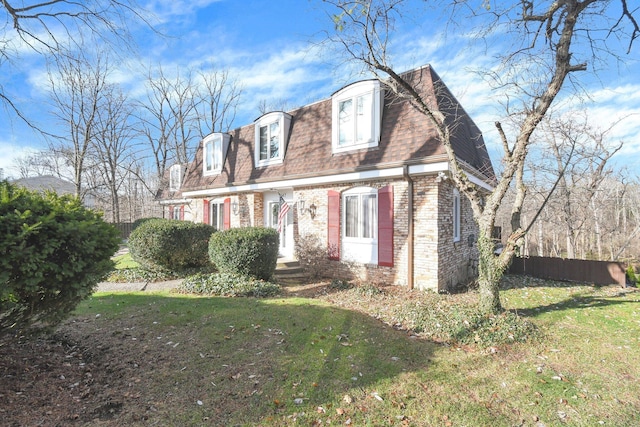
[(362, 172)]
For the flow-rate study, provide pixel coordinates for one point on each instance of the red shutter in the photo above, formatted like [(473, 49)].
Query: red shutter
[(333, 222), (205, 212), (182, 212), (227, 214), (385, 226)]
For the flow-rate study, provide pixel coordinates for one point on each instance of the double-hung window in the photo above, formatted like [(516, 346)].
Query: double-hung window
[(361, 215), (176, 212), (360, 225), (270, 141), (271, 134), (175, 177), (357, 116), (214, 151), (216, 215)]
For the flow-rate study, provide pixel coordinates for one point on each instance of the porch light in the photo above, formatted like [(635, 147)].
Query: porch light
[(234, 207), (301, 205)]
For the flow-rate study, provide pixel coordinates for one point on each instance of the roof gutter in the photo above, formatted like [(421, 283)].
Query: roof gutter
[(410, 260)]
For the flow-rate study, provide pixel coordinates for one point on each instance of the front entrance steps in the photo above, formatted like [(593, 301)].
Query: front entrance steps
[(288, 270)]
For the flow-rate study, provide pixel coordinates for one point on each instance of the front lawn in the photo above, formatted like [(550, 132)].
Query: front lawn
[(343, 357)]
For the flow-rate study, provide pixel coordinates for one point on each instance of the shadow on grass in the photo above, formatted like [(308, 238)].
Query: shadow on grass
[(237, 361), (518, 281), (576, 302)]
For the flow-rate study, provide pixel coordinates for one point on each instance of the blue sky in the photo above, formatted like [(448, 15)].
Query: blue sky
[(271, 48)]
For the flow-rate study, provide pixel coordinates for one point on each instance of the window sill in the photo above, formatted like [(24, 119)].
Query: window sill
[(352, 148), (265, 163)]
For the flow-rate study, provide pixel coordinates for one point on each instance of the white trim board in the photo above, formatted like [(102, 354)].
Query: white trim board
[(395, 172)]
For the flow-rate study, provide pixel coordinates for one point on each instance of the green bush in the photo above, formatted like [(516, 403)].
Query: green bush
[(53, 252), (138, 222), (168, 244), (250, 251), (228, 285), (632, 279)]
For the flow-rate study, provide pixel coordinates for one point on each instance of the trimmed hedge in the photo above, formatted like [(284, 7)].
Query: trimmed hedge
[(170, 244), (249, 251), (53, 251), (141, 221)]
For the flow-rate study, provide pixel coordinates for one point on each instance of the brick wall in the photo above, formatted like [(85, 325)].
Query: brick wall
[(426, 214), (457, 263), (439, 263)]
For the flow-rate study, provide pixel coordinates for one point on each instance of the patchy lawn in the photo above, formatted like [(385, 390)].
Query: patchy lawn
[(320, 355)]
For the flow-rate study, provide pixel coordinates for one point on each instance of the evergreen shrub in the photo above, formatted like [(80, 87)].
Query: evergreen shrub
[(170, 244), (249, 251), (53, 251), (140, 221)]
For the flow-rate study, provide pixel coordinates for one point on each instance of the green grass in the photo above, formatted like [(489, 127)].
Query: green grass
[(294, 361), (125, 261)]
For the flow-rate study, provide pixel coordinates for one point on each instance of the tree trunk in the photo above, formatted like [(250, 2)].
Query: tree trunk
[(489, 275), (540, 239)]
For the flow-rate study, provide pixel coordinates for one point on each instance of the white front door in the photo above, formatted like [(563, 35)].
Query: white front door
[(273, 208)]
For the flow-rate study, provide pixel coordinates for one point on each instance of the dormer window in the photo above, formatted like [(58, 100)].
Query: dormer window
[(214, 152), (271, 135), (356, 116), (175, 177)]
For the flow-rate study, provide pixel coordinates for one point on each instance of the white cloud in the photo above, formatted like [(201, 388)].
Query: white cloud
[(165, 11), (9, 153)]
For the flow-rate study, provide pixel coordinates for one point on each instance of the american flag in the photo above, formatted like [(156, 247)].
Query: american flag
[(284, 209)]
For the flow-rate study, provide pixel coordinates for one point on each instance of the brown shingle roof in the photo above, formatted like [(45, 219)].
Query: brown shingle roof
[(406, 136)]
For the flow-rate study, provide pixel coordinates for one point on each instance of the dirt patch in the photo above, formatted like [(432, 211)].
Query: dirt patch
[(76, 377)]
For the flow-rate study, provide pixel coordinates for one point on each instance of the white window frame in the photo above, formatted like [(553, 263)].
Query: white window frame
[(283, 120), (372, 119), (214, 150), (360, 248), (456, 215), (175, 177), (175, 212), (216, 205)]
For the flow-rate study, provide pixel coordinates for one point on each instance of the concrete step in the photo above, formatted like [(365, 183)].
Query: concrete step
[(288, 267), (289, 263)]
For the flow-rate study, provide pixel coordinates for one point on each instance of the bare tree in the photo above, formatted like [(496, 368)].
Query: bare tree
[(78, 87), (545, 55), (219, 96), (180, 110), (56, 28), (43, 162), (280, 104), (166, 118), (114, 135), (576, 155)]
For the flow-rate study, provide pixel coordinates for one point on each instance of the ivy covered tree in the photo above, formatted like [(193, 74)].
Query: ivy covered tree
[(551, 44)]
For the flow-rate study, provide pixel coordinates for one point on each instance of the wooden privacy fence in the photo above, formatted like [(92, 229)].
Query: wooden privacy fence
[(574, 270), (125, 229)]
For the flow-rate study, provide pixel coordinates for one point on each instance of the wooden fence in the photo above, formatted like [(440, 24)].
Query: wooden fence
[(573, 270), (125, 229)]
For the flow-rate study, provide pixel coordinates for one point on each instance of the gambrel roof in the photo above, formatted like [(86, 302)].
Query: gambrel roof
[(406, 137)]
